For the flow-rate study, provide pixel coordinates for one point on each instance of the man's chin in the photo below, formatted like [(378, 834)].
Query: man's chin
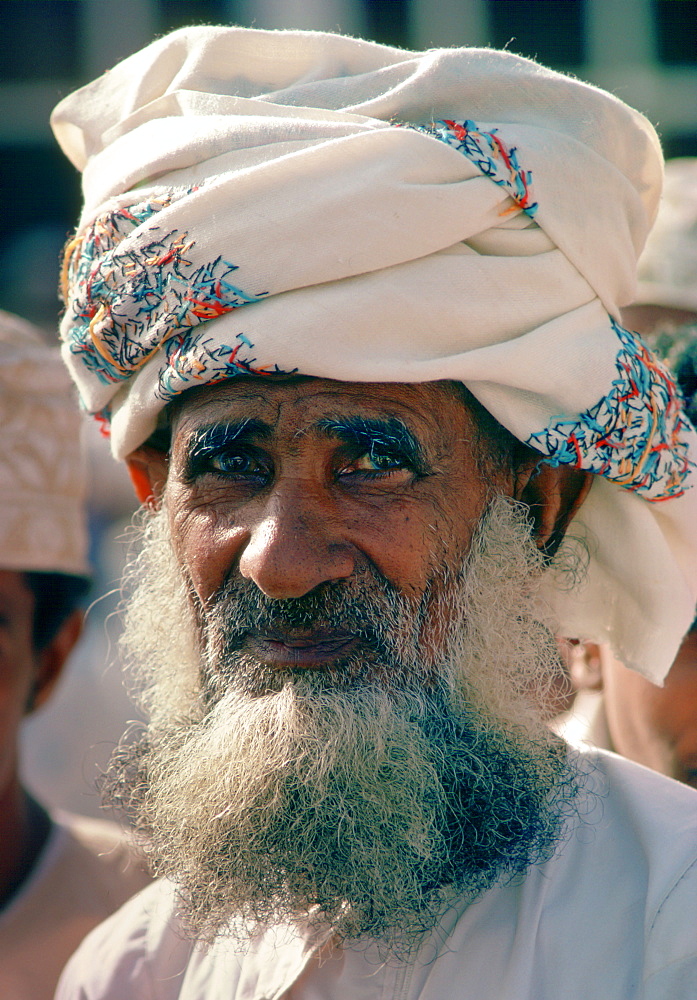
[(317, 653), (352, 808), (353, 792)]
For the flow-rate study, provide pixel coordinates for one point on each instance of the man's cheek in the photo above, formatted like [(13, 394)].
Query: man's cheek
[(207, 547)]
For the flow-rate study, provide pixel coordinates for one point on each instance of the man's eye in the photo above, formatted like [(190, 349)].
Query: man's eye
[(234, 464), (375, 463)]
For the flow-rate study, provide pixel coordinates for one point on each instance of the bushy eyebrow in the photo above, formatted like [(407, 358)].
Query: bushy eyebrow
[(211, 439), (373, 434), (365, 435)]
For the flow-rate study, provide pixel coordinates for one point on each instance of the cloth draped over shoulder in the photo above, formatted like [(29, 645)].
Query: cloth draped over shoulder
[(261, 202)]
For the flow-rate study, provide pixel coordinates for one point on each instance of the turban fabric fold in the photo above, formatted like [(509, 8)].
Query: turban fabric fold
[(259, 202)]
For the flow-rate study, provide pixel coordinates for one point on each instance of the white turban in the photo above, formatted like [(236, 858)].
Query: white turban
[(42, 476), (294, 201)]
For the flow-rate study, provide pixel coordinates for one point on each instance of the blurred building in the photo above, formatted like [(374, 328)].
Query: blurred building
[(643, 50)]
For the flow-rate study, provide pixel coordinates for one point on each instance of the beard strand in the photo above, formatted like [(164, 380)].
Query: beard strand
[(352, 798)]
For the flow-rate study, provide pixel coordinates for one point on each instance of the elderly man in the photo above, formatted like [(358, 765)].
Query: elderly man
[(60, 874), (350, 314)]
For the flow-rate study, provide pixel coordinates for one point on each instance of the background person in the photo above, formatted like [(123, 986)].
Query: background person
[(60, 874), (618, 710)]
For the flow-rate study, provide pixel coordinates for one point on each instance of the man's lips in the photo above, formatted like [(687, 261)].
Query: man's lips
[(300, 649)]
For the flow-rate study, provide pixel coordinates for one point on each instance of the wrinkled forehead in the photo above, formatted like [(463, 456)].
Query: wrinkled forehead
[(296, 404)]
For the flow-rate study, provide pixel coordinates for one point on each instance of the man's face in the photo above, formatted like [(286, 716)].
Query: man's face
[(293, 485), (18, 665), (334, 619)]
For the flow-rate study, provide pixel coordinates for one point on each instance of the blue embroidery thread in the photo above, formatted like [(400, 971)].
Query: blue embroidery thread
[(490, 155), (128, 303), (635, 436)]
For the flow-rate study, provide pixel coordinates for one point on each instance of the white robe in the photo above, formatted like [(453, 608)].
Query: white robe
[(586, 723), (85, 871), (612, 916)]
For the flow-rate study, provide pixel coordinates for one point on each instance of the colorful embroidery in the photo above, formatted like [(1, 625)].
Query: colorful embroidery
[(127, 301), (194, 360), (635, 436), (488, 153)]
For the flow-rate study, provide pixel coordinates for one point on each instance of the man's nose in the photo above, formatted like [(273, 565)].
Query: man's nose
[(295, 546)]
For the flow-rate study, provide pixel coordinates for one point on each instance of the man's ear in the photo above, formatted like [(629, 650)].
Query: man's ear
[(51, 660), (585, 666), (147, 467), (553, 495)]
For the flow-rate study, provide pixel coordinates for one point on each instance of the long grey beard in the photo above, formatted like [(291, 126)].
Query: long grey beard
[(352, 798)]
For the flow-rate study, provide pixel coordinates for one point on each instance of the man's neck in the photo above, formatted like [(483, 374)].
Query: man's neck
[(24, 829)]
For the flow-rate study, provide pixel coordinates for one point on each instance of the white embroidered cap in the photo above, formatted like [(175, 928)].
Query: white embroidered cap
[(295, 201), (42, 476)]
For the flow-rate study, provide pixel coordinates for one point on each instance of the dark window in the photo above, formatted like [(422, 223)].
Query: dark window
[(680, 144), (37, 185), (40, 198), (178, 13), (40, 39), (387, 21), (676, 31), (551, 31)]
